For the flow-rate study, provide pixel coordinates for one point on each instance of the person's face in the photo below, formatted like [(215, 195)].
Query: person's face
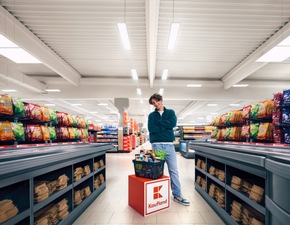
[(157, 104)]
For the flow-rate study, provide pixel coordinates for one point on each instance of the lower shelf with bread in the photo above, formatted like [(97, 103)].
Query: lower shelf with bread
[(231, 187), (53, 192)]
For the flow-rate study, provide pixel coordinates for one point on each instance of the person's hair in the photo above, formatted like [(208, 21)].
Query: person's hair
[(155, 96)]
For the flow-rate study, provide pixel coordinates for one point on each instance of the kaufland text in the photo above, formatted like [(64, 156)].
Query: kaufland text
[(157, 204)]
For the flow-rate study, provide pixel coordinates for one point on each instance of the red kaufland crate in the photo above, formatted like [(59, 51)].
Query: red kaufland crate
[(148, 196), (152, 170)]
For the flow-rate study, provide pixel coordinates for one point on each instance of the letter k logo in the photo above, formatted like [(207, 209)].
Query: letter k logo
[(156, 193)]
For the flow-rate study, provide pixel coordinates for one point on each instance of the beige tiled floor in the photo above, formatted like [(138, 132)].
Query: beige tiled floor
[(111, 207)]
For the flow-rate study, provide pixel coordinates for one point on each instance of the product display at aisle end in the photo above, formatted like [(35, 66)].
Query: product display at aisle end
[(59, 181), (193, 133)]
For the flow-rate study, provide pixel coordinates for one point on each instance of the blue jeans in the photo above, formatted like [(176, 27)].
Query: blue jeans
[(172, 166)]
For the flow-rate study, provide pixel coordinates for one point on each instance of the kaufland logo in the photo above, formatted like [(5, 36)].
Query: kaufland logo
[(157, 196), (156, 192)]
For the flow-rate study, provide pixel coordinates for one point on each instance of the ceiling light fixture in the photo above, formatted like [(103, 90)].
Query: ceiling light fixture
[(276, 54), (161, 91), (173, 35), (124, 35), (211, 104), (123, 31), (139, 92), (13, 52), (234, 104), (18, 55), (134, 74), (103, 104), (77, 104), (240, 85), (194, 85), (52, 90), (164, 74), (173, 32), (9, 90)]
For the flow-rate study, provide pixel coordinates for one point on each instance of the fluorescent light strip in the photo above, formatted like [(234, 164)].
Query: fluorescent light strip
[(52, 90), (161, 91), (134, 74), (193, 85), (164, 74), (240, 85), (139, 92), (9, 90), (103, 104), (77, 104), (276, 54), (18, 55), (173, 35), (6, 43), (124, 35)]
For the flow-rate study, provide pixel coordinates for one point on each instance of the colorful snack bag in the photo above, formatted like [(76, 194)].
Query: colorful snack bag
[(6, 107), (6, 133), (18, 131), (18, 107)]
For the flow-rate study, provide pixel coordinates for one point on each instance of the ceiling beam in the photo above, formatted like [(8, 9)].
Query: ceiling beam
[(249, 64), (152, 17), (24, 38), (11, 75)]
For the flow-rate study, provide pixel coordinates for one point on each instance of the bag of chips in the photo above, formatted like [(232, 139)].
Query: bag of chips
[(6, 107), (33, 112), (18, 131), (45, 133), (6, 133), (254, 129), (52, 133), (18, 107), (254, 111), (45, 113), (62, 133), (75, 120), (76, 130), (71, 132), (245, 133), (247, 111), (52, 115), (69, 120), (33, 133)]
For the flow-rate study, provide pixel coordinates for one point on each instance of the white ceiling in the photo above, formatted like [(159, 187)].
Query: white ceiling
[(83, 56)]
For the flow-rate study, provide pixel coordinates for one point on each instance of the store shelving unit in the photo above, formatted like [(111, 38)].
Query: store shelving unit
[(22, 169), (109, 135), (246, 166), (265, 166), (192, 133), (177, 134)]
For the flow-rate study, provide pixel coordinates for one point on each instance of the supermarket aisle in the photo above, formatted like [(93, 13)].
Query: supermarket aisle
[(111, 207)]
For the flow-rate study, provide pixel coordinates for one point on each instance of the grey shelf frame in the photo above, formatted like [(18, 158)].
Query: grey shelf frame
[(250, 163), (25, 167)]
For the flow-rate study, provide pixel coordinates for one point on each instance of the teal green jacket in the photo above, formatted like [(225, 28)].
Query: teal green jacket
[(161, 127)]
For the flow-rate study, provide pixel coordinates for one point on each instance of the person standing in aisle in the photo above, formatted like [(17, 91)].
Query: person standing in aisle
[(160, 125)]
